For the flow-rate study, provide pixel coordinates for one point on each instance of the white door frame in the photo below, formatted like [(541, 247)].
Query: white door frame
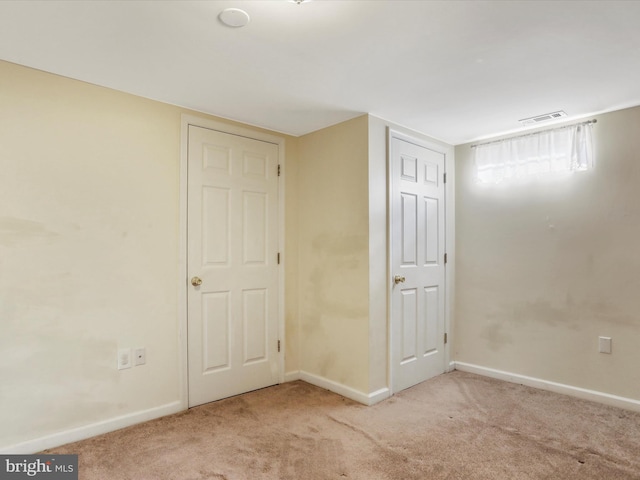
[(449, 236), (187, 120)]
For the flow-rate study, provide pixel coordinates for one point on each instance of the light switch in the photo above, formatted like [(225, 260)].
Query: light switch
[(124, 358)]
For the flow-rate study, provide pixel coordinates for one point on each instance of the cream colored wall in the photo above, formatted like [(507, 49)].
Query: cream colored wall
[(547, 267), (333, 234), (89, 188)]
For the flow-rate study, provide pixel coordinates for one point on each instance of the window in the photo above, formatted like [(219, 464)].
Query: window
[(563, 149)]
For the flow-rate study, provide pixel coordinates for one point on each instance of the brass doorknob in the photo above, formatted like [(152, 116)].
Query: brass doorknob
[(398, 279), (196, 281)]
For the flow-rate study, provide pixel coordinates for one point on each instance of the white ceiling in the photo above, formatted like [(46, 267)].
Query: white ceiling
[(455, 70)]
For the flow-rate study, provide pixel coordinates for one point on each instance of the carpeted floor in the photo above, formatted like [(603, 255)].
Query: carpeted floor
[(455, 426)]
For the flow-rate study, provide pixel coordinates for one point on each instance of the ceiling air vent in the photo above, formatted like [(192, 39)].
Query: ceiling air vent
[(547, 117)]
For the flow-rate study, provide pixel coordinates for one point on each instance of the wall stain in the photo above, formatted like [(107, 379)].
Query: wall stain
[(17, 231), (327, 365), (606, 311), (336, 294), (570, 315), (543, 311), (339, 259), (496, 336), (340, 245)]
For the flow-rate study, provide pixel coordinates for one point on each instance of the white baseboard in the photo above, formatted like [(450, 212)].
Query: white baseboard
[(292, 376), (87, 431), (595, 396), (378, 396), (340, 389)]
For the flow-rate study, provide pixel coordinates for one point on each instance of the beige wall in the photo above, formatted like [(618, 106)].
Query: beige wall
[(545, 268), (333, 235), (89, 188)]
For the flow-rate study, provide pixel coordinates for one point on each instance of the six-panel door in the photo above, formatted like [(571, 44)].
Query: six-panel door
[(417, 255), (232, 247)]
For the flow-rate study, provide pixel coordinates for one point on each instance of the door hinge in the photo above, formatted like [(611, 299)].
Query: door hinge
[(445, 177), (278, 258), (278, 346), (278, 170), (446, 258), (445, 339)]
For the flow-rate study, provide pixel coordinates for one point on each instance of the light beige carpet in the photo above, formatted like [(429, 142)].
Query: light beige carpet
[(455, 426)]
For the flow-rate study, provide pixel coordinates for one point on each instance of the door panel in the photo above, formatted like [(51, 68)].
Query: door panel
[(216, 318), (409, 325), (232, 247), (254, 229), (409, 229), (432, 228), (215, 222), (431, 302), (255, 316), (417, 255)]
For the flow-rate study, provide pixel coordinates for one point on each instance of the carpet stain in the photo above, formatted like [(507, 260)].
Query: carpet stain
[(354, 429), (455, 426)]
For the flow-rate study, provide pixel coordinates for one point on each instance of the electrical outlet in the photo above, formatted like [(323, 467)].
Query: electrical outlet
[(124, 358), (140, 356), (604, 344)]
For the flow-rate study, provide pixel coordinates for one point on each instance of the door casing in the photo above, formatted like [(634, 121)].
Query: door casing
[(183, 278)]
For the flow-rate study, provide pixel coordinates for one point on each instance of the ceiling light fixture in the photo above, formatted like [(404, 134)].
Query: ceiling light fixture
[(298, 1), (234, 17)]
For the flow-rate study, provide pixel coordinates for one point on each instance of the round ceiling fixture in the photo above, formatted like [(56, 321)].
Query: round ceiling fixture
[(234, 17)]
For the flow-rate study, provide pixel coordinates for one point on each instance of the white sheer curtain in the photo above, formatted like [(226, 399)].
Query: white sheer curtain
[(563, 149)]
